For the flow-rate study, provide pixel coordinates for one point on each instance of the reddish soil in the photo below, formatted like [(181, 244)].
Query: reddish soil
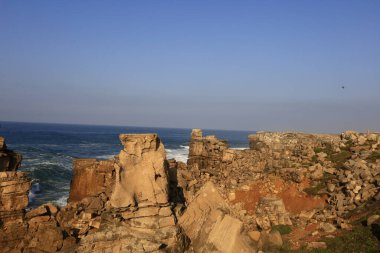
[(294, 198), (305, 235)]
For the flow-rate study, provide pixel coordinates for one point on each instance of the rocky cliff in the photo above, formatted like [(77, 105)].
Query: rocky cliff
[(9, 160), (287, 187)]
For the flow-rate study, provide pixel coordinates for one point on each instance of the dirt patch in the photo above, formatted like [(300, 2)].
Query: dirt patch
[(303, 235), (296, 201), (292, 194)]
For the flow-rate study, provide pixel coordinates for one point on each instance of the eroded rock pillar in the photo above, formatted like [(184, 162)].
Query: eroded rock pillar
[(141, 178)]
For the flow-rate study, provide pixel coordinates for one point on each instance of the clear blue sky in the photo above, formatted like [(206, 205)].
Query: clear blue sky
[(255, 65)]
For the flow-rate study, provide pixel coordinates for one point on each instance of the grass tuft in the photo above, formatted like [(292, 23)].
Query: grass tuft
[(283, 229)]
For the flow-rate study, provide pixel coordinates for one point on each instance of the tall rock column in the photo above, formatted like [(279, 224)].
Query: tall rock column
[(14, 189), (141, 178), (139, 217)]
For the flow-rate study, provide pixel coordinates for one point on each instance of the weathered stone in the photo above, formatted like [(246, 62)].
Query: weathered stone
[(91, 177), (38, 211), (271, 211), (275, 239), (141, 176), (372, 219), (327, 227), (254, 235), (316, 245), (208, 227)]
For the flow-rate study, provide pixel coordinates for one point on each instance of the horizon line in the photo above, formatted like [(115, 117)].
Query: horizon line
[(117, 125)]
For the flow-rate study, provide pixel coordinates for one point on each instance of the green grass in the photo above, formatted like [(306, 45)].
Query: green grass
[(340, 158), (327, 150), (283, 229), (315, 189), (373, 157), (319, 185), (360, 239), (337, 158), (286, 249)]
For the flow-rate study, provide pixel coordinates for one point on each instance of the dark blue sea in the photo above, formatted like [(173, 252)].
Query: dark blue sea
[(48, 150)]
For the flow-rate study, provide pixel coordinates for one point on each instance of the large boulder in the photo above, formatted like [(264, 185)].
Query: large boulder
[(209, 227)]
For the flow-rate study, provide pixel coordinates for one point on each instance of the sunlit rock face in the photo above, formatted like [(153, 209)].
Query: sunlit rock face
[(91, 177), (141, 178)]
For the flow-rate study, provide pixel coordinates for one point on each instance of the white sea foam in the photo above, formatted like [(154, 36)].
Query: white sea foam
[(105, 156), (179, 154), (240, 148), (62, 201)]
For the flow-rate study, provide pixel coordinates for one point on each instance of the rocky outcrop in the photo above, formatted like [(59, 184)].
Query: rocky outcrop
[(212, 159), (141, 178), (271, 212), (142, 202), (14, 189), (9, 160), (210, 227), (91, 177), (138, 216)]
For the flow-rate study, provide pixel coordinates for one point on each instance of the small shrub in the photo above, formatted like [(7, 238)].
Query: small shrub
[(314, 190), (340, 158), (283, 229), (373, 157)]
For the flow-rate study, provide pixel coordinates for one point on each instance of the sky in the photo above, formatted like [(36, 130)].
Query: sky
[(239, 65)]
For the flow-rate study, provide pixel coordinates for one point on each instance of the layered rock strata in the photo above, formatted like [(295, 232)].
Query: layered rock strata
[(14, 189), (141, 202), (138, 217)]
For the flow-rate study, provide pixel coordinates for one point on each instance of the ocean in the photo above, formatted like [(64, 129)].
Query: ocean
[(48, 150)]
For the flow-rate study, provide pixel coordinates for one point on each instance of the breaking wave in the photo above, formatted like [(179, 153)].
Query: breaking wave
[(179, 154)]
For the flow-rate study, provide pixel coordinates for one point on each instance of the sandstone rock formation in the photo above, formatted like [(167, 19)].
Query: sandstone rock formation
[(141, 202), (91, 177), (208, 225), (141, 178), (271, 212), (14, 189), (138, 216), (9, 160)]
